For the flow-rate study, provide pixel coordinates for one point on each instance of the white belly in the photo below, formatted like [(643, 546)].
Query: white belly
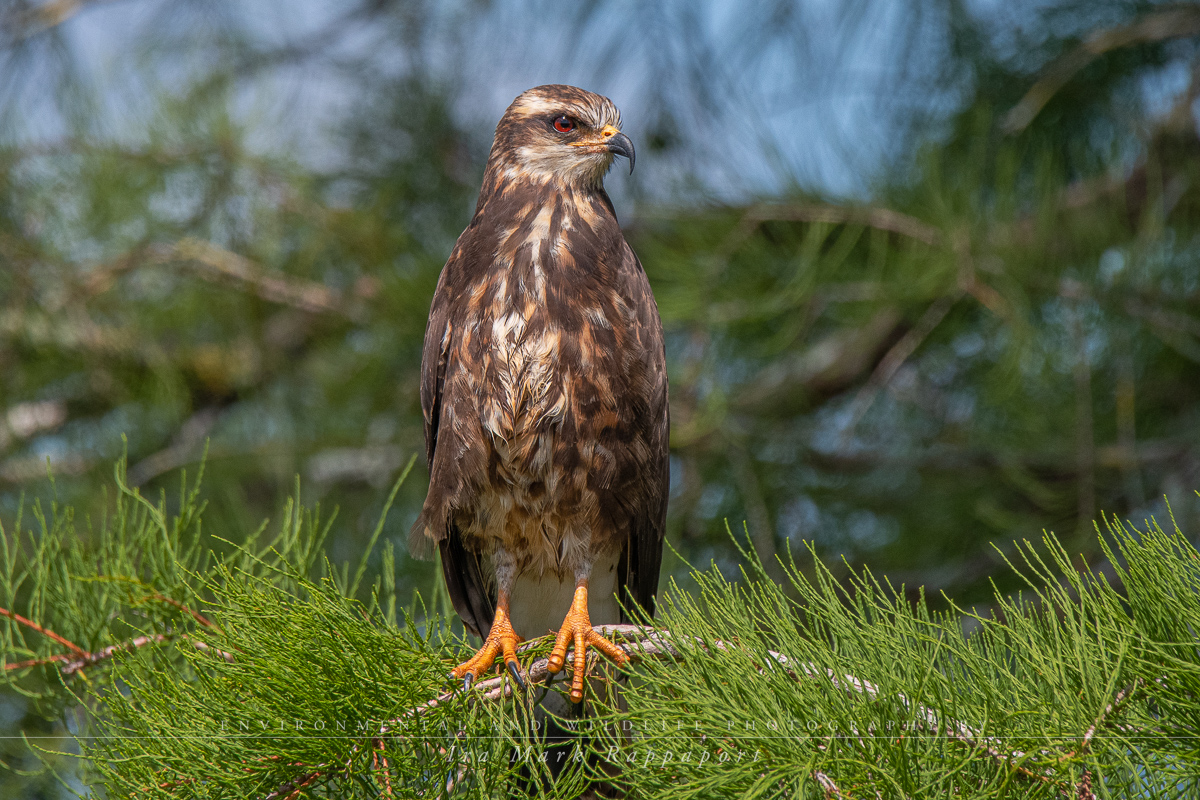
[(539, 602)]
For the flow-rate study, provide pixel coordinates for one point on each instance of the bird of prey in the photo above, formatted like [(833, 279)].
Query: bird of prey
[(544, 393)]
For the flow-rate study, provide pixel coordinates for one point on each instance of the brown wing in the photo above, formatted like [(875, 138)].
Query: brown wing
[(433, 363), (462, 569), (641, 557)]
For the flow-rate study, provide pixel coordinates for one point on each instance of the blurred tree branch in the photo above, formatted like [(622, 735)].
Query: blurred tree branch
[(1156, 26)]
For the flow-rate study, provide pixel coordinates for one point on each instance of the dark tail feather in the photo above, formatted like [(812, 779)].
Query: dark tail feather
[(465, 582)]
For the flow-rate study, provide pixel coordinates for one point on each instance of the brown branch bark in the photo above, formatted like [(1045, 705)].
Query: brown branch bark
[(74, 648), (376, 758), (832, 792), (296, 786), (196, 615), (80, 661)]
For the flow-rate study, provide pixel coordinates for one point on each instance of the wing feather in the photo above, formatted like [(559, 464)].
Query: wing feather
[(641, 557), (468, 587), (434, 356)]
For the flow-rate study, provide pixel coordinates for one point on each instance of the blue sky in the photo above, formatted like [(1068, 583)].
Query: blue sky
[(761, 103)]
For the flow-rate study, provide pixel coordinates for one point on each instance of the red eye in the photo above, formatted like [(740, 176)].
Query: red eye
[(564, 124)]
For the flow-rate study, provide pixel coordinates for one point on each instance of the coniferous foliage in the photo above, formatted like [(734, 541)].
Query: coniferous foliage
[(1082, 685), (200, 668), (928, 273)]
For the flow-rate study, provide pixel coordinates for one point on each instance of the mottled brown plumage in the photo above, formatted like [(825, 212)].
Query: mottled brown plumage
[(544, 390)]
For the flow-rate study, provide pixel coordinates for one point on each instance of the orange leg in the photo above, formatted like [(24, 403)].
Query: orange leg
[(501, 639), (577, 629)]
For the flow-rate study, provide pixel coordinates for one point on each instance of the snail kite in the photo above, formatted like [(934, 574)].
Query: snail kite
[(544, 392)]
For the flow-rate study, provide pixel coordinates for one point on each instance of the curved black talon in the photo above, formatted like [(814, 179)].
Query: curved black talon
[(514, 669), (467, 680)]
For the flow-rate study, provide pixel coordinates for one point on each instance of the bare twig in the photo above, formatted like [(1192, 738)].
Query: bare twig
[(34, 662), (296, 786), (214, 263), (79, 651), (831, 789), (196, 615), (884, 219), (376, 758), (91, 659), (207, 648), (276, 287), (83, 660), (180, 451)]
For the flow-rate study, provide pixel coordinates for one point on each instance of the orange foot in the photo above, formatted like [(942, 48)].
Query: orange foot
[(577, 629), (501, 639)]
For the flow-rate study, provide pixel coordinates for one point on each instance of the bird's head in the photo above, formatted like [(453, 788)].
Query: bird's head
[(559, 133)]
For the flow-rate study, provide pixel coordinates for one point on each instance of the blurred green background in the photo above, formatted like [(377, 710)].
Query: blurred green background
[(929, 271)]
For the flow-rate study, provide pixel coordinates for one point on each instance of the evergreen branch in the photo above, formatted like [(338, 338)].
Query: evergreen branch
[(1156, 27), (749, 648), (1120, 700), (656, 643), (44, 631)]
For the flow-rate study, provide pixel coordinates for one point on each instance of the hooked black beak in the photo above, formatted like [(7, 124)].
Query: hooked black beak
[(619, 143)]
